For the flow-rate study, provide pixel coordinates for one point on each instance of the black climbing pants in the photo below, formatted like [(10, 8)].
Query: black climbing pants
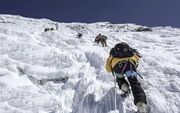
[(137, 91)]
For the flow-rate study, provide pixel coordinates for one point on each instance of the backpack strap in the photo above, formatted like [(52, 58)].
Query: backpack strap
[(124, 67), (132, 63)]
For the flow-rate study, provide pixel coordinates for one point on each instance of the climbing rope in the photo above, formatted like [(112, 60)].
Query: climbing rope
[(115, 106)]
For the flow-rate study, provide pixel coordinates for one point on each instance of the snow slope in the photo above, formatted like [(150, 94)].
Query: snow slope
[(59, 53)]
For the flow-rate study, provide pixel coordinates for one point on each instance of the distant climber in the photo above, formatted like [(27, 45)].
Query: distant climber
[(48, 29), (102, 39), (123, 62), (79, 35), (57, 26)]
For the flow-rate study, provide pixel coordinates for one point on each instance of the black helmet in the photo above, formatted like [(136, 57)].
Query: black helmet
[(121, 50)]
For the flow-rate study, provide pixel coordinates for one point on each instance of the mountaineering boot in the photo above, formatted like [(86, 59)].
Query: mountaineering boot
[(141, 107), (126, 90)]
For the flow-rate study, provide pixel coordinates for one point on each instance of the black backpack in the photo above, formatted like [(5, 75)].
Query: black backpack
[(122, 50)]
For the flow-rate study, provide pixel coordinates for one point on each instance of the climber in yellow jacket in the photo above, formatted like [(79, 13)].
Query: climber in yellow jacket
[(123, 62)]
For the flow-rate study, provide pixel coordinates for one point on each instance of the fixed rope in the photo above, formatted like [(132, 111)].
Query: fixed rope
[(115, 106), (115, 99)]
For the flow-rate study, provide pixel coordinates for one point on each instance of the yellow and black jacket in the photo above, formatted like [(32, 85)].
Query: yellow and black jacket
[(111, 62)]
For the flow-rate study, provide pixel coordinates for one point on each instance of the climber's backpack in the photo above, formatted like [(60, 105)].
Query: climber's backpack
[(122, 50)]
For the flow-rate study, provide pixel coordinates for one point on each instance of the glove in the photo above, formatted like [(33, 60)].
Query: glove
[(131, 73)]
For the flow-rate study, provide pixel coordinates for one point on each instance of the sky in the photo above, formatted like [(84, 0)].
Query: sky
[(142, 12)]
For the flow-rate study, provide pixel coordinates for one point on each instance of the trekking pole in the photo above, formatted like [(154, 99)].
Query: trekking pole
[(139, 74)]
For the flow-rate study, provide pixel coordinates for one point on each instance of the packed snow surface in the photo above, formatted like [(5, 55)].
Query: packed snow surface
[(26, 50)]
